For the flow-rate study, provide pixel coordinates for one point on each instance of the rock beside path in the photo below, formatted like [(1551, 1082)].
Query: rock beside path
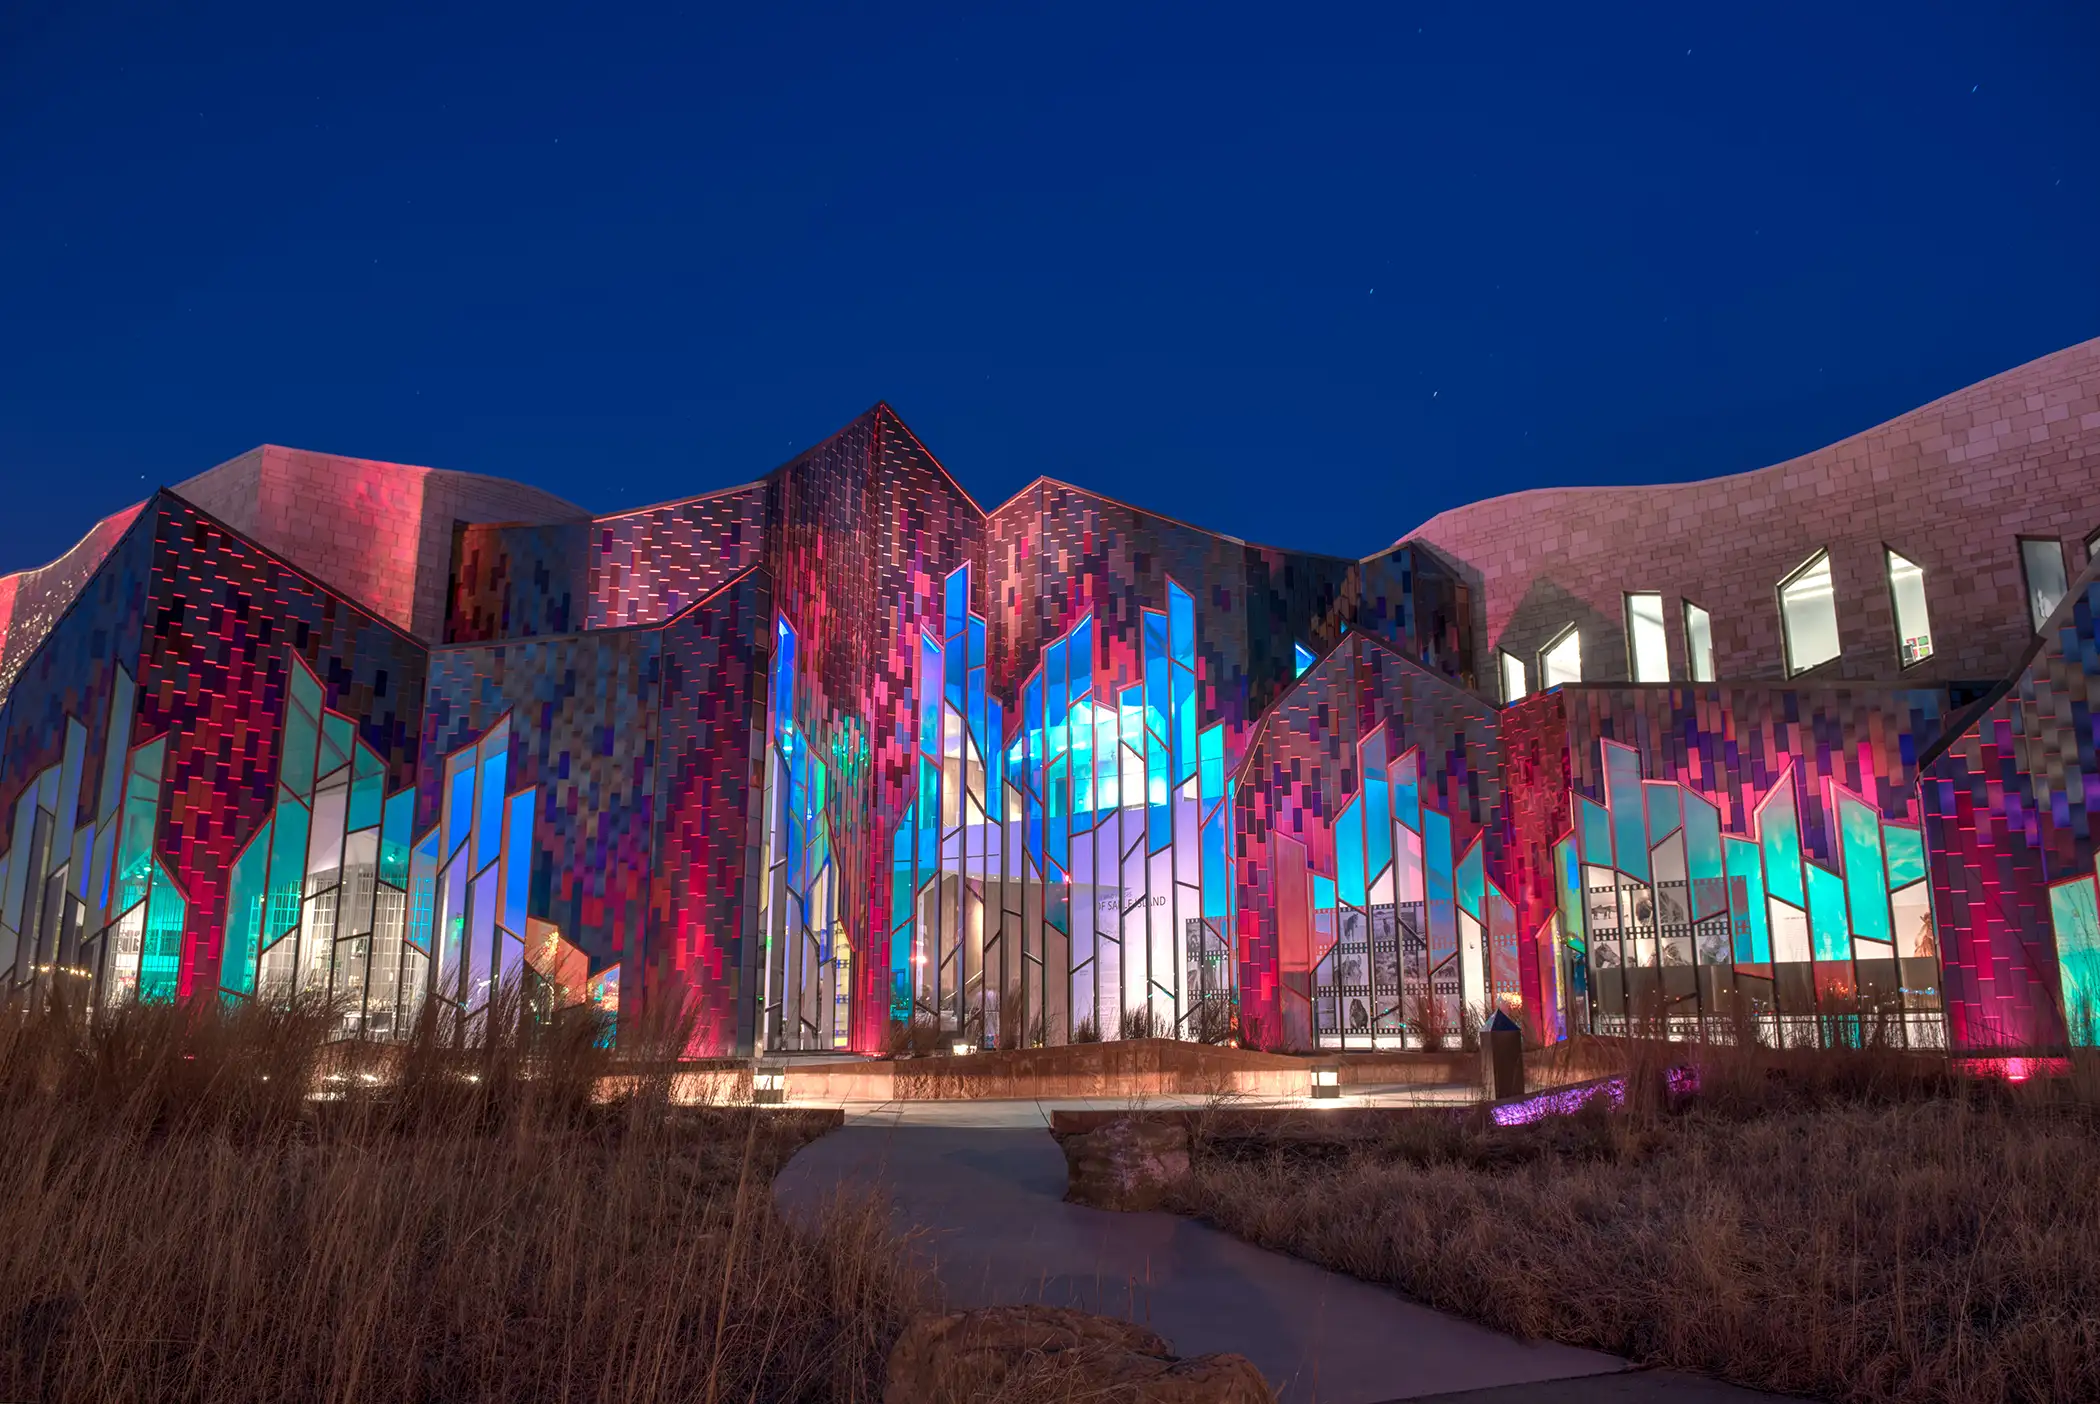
[(1127, 1165), (1040, 1354)]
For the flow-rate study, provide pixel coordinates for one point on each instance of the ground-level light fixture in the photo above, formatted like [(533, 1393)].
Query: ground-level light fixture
[(1326, 1080), (769, 1085), (963, 1050)]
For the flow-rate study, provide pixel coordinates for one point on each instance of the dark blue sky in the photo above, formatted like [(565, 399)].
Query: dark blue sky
[(1301, 273)]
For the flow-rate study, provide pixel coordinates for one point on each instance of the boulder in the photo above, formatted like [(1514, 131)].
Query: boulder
[(1041, 1354), (1129, 1164)]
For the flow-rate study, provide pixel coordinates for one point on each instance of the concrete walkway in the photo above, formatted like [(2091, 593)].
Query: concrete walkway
[(986, 1183)]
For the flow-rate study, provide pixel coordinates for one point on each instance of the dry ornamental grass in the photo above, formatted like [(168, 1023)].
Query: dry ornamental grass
[(1849, 1226), (185, 1221)]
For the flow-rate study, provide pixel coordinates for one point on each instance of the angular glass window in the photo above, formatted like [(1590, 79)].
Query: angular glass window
[(1808, 612), (1647, 648), (1907, 592), (2043, 562), (1561, 661), (1699, 642), (1514, 683)]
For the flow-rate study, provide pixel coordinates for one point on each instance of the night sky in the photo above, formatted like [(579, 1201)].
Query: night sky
[(1301, 273)]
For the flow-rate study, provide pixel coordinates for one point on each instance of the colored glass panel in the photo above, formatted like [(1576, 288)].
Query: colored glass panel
[(160, 958), (1622, 792), (2074, 912), (247, 899), (517, 860), (302, 732), (1906, 854), (488, 819), (1826, 915), (287, 866), (1779, 831), (1594, 829), (1349, 853), (141, 810), (1472, 877), (1407, 789), (1702, 856), (1663, 810), (1748, 919), (1866, 880), (338, 740), (398, 814)]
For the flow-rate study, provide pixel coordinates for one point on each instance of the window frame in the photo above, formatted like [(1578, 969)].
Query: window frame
[(1889, 556), (1662, 625), (2063, 560), (1505, 660), (1573, 631), (1691, 664), (1786, 634)]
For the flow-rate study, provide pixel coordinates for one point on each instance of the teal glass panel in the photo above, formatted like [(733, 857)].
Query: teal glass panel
[(2074, 911), (1183, 729), (488, 819), (367, 789), (1181, 611), (160, 961), (1622, 791), (1210, 751), (247, 898), (1159, 824), (1032, 701), (1779, 830), (338, 741), (1826, 915), (1080, 723), (1472, 880), (1378, 808), (1702, 856), (517, 860), (1906, 855), (1407, 788), (287, 867), (1593, 826), (141, 814), (1323, 893), (1866, 881), (302, 732), (930, 818), (1437, 882), (399, 814), (1105, 775), (1567, 891), (1749, 919), (1349, 852), (1057, 845), (1663, 807)]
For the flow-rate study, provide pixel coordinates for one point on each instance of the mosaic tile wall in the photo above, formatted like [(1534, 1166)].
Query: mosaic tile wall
[(2009, 807), (646, 566), (517, 582)]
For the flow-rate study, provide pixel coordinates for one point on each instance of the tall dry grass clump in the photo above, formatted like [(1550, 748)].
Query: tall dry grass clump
[(186, 1220), (1852, 1226)]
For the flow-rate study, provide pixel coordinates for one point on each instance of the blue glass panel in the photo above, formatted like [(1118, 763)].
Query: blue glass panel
[(1472, 880), (1866, 880), (1407, 789), (459, 800), (1054, 699), (400, 813), (1780, 832), (1215, 872), (1437, 881), (1378, 809), (1906, 854), (488, 821), (994, 763), (1056, 846), (954, 669), (1302, 658), (1594, 828), (517, 860), (480, 955), (1663, 816), (1826, 914), (929, 696), (1702, 857), (1749, 919), (1159, 826), (976, 642), (1184, 727), (1349, 853), (783, 673), (1032, 699), (1082, 663), (1182, 614), (1156, 637), (1159, 695), (957, 599), (1622, 792)]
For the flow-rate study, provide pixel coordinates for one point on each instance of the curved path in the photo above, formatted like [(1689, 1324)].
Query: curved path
[(985, 1184)]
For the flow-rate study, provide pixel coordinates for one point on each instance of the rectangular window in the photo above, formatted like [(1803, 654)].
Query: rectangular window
[(1808, 613), (1907, 592), (1647, 648), (1699, 642), (1561, 661), (1514, 683), (2043, 562)]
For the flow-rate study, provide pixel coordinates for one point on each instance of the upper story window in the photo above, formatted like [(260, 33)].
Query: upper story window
[(1907, 594), (2042, 561), (1647, 648), (1561, 661), (1514, 682), (1808, 615), (1699, 642)]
